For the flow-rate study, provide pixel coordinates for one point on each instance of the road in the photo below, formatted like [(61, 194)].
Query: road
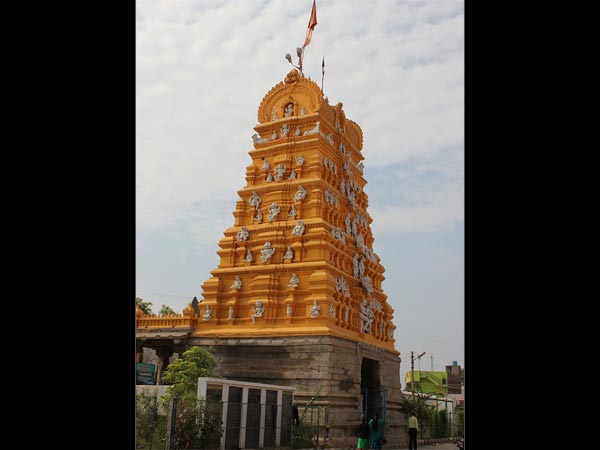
[(444, 446)]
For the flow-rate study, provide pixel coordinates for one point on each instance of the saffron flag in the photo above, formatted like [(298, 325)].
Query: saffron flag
[(311, 24)]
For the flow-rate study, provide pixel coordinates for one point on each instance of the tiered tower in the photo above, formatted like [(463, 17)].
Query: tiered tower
[(299, 259), (298, 286), (296, 298)]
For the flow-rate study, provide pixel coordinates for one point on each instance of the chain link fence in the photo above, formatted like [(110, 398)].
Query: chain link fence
[(168, 423), (441, 424), (310, 430), (150, 422)]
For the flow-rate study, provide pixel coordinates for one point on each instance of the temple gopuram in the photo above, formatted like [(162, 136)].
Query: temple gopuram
[(296, 299)]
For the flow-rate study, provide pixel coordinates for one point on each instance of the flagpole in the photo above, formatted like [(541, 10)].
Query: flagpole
[(312, 22), (323, 76)]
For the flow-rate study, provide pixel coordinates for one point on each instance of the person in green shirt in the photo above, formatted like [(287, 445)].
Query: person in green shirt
[(363, 435), (376, 427), (413, 427)]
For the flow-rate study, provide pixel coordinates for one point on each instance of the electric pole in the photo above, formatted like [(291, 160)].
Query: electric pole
[(412, 372)]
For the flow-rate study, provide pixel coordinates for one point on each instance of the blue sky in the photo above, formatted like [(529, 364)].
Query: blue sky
[(202, 69)]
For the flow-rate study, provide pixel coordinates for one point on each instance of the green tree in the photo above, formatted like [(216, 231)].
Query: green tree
[(197, 422), (184, 372), (166, 310), (146, 307), (421, 410)]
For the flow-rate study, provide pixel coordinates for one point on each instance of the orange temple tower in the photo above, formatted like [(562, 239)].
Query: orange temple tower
[(297, 298)]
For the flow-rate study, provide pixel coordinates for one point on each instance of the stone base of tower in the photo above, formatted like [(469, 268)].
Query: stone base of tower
[(331, 367)]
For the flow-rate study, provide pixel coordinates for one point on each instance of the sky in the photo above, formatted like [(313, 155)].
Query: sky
[(202, 69)]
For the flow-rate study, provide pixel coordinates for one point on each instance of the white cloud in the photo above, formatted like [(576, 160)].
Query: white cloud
[(204, 66)]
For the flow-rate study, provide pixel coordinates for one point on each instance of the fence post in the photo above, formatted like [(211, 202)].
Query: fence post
[(326, 438), (154, 421), (292, 427), (318, 425), (172, 422)]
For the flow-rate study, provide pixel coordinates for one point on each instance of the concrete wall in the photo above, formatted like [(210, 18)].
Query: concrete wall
[(151, 391)]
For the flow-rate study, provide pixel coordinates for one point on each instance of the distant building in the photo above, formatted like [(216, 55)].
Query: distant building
[(454, 378), (427, 382)]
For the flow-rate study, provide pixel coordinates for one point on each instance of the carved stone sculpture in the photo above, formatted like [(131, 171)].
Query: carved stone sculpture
[(279, 172), (289, 254), (341, 286), (243, 234), (300, 193), (314, 130), (266, 252), (315, 310), (257, 311), (366, 283), (294, 280), (289, 110), (355, 267), (365, 318), (274, 209), (237, 283), (298, 229), (208, 314), (254, 199)]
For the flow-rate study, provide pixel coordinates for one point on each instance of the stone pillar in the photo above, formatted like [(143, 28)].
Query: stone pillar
[(163, 355)]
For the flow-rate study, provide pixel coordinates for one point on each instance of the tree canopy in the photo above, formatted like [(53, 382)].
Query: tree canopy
[(184, 372), (146, 307), (166, 310)]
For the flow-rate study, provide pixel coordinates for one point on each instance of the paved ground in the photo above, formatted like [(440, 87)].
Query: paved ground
[(444, 446)]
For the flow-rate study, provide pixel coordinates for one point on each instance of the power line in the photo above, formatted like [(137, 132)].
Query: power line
[(429, 339), (163, 293)]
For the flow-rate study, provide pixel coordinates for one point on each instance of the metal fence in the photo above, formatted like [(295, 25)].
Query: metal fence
[(311, 430), (374, 401), (441, 424), (168, 423)]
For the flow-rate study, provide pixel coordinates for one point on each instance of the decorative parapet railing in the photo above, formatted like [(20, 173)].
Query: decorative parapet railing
[(169, 320)]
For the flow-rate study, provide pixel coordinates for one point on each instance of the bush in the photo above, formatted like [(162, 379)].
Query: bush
[(195, 423)]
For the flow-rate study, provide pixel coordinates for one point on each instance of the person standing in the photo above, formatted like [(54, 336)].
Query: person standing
[(363, 435), (413, 427), (376, 431)]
